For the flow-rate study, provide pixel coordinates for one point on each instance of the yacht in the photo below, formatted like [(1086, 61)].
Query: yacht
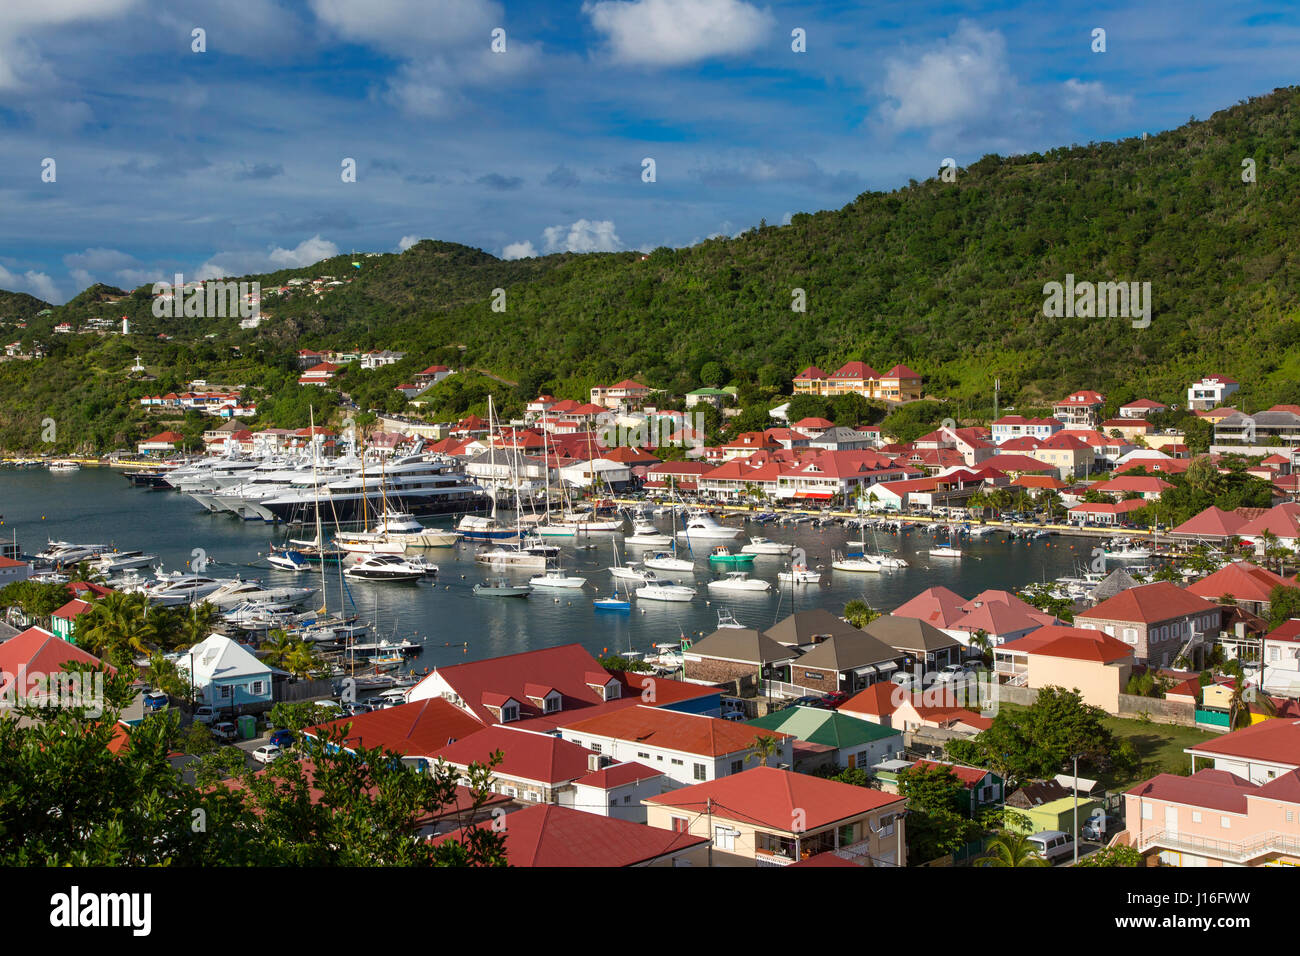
[(287, 559), (702, 526), (555, 578), (63, 467), (765, 546), (739, 581), (857, 563), (667, 561), (384, 567), (799, 574), (238, 591), (62, 553), (511, 556), (175, 589), (646, 534), (632, 573), (117, 561), (664, 591)]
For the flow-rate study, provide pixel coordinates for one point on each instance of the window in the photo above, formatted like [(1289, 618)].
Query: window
[(886, 827), (724, 838), (509, 713), (596, 747), (532, 795), (227, 693), (1290, 816), (700, 772), (680, 824), (1146, 811), (1130, 635), (737, 766), (627, 800), (552, 704), (643, 755), (577, 741), (1225, 823), (257, 688), (675, 762), (1196, 816)]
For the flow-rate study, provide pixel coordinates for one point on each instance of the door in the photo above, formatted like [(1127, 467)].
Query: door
[(853, 761), (1171, 821)]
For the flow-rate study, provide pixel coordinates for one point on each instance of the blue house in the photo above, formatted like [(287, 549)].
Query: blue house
[(227, 676)]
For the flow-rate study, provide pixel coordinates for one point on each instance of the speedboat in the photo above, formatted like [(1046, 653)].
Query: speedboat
[(238, 591), (799, 574), (502, 588), (175, 589), (632, 573), (667, 561), (286, 559), (677, 593), (739, 581), (615, 602), (648, 535), (555, 578), (766, 546), (384, 567)]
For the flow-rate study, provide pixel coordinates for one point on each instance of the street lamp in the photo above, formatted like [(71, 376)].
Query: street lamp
[(1075, 758)]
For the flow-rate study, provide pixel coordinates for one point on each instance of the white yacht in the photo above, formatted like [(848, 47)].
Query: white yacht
[(739, 581), (667, 561), (766, 546), (175, 589), (647, 535), (238, 591), (799, 574), (702, 526), (385, 567), (555, 578), (117, 561), (664, 591), (63, 553)]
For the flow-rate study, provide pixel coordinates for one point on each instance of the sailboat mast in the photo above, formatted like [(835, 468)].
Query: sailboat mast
[(320, 535)]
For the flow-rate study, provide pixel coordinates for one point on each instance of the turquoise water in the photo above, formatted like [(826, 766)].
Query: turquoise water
[(97, 506)]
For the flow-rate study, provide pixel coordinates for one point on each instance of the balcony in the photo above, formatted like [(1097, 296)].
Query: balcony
[(1233, 852)]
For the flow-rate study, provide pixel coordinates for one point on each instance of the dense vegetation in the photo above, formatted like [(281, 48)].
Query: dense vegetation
[(946, 277)]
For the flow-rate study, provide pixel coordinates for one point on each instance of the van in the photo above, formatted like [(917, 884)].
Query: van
[(1051, 845)]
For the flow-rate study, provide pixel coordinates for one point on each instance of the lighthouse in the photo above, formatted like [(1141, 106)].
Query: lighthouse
[(126, 325)]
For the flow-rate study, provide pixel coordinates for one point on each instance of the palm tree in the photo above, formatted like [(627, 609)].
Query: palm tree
[(1244, 696), (277, 648), (118, 626), (979, 641), (196, 624), (1010, 849), (301, 660), (765, 746)]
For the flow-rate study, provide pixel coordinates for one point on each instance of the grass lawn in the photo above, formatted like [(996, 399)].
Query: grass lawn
[(1160, 746)]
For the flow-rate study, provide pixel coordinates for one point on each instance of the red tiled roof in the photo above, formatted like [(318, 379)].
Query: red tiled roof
[(854, 370), (672, 730), (1243, 580), (72, 609), (37, 652), (811, 372), (525, 755), (770, 797), (619, 775), (1076, 643), (1150, 604), (900, 371), (553, 836), (1271, 741), (937, 605), (1212, 522), (416, 729), (1283, 520), (969, 776), (1213, 789)]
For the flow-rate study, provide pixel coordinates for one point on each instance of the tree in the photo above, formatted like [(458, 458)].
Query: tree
[(1113, 856), (859, 613), (1283, 604), (937, 823), (614, 662), (120, 626), (1009, 849), (979, 641), (765, 747)]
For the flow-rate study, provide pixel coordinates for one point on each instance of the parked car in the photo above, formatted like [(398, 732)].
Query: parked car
[(205, 715), (154, 701), (225, 731), (809, 701), (834, 698), (954, 672), (1096, 828), (267, 753), (282, 738), (1052, 845)]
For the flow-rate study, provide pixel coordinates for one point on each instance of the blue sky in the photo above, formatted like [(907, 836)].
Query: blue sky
[(228, 161)]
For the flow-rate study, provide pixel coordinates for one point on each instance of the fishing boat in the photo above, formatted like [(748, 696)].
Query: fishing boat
[(502, 588), (739, 581), (555, 578), (674, 593), (728, 620), (766, 546), (647, 535), (667, 561), (384, 567), (723, 555)]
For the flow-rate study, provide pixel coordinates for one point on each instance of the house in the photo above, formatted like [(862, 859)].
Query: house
[(1257, 431), (226, 676), (1258, 753), (554, 836), (1103, 512), (717, 397), (940, 707), (1159, 621), (737, 654), (164, 443), (1248, 585), (846, 660), (686, 748), (827, 738), (1148, 488), (1210, 392), (1142, 408), (1127, 428), (1282, 521), (842, 439), (378, 359), (921, 646), (432, 375), (1213, 524), (899, 384), (1090, 661), (937, 606), (624, 396), (1067, 453), (321, 374), (64, 621), (1008, 427), (771, 817), (536, 767), (29, 661), (11, 571), (617, 790), (1001, 615), (982, 787), (1215, 818), (412, 730), (1082, 408)]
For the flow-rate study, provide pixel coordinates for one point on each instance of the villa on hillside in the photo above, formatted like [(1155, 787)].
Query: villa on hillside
[(899, 384)]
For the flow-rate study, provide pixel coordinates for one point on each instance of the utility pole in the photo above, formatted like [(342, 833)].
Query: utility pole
[(709, 807), (997, 385), (1076, 808)]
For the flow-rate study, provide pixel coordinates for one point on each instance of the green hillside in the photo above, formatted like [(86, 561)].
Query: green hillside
[(946, 277)]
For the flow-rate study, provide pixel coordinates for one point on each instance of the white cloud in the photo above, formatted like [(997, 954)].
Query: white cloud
[(32, 282), (20, 63), (960, 79), (306, 253), (519, 250), (673, 32), (411, 27), (1079, 96), (406, 242), (585, 235)]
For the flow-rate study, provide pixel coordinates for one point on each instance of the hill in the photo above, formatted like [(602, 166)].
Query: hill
[(946, 277)]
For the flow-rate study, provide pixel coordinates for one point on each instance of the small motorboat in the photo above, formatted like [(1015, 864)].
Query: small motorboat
[(722, 555), (555, 578), (739, 581), (384, 567), (647, 535), (287, 559), (674, 593), (667, 561), (766, 546), (799, 574), (615, 602), (502, 588)]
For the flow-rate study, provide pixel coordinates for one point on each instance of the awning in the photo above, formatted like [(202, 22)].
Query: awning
[(816, 495)]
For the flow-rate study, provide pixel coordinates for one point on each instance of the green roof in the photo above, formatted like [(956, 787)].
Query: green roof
[(826, 727), (711, 391)]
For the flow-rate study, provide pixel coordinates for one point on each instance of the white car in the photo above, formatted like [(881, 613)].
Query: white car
[(205, 715), (953, 672), (225, 731), (267, 753)]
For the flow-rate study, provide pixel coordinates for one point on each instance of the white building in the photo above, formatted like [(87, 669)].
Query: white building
[(1210, 392)]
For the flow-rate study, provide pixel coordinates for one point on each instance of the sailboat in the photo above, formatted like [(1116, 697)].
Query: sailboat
[(527, 553), (946, 549), (614, 602), (668, 560), (476, 527)]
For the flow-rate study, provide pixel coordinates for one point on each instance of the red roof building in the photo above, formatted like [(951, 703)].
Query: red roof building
[(1156, 620), (418, 730)]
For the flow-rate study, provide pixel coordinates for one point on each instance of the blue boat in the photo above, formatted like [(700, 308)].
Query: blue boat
[(613, 603)]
